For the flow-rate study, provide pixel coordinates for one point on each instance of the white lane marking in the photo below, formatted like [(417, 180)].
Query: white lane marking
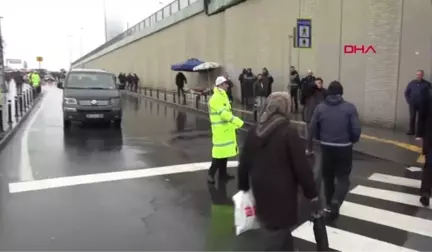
[(43, 184), (346, 241), (398, 197), (26, 171), (414, 169), (387, 218), (395, 180)]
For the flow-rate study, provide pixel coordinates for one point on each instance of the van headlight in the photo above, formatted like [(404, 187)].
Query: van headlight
[(70, 101), (115, 102)]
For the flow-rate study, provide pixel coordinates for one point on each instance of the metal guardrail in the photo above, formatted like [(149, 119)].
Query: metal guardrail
[(197, 101), (151, 20)]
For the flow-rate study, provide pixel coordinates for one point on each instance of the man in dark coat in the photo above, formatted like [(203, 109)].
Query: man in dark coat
[(294, 89), (122, 80), (19, 81), (230, 87), (424, 135), (248, 83), (180, 81), (268, 80), (305, 85), (130, 80), (317, 95), (413, 96), (242, 88), (336, 124)]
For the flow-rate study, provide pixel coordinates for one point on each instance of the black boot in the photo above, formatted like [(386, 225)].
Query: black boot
[(425, 200)]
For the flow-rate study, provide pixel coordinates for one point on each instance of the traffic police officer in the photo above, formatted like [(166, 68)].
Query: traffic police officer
[(35, 80), (223, 125)]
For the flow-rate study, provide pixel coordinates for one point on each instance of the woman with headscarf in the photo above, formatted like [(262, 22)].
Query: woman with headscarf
[(274, 164)]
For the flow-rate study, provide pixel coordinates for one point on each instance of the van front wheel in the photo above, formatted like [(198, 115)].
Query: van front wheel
[(67, 124), (117, 124)]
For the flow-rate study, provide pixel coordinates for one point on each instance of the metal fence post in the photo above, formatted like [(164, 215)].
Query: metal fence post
[(1, 119), (197, 101), (9, 111), (20, 100), (16, 106)]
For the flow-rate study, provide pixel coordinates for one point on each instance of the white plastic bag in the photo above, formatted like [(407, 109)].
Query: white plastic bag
[(244, 212)]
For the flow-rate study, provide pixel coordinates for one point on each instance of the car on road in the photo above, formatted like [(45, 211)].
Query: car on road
[(48, 78), (90, 95)]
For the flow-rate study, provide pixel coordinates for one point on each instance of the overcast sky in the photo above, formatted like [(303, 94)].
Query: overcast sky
[(52, 28)]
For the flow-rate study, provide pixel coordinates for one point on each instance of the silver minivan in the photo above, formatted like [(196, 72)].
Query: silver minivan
[(90, 95)]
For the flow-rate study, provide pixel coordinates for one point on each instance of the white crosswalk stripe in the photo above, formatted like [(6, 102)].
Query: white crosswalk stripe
[(347, 240)]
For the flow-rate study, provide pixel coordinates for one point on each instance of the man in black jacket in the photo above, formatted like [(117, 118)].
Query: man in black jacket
[(19, 81), (294, 89), (424, 135), (317, 94), (180, 81), (336, 124)]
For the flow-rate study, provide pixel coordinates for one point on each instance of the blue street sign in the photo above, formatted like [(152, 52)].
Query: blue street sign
[(304, 33)]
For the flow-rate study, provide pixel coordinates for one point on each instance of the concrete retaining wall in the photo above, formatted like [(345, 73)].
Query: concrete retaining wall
[(256, 34)]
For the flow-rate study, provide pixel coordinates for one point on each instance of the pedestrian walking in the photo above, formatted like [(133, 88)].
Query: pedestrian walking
[(19, 81), (260, 94), (35, 80), (223, 126), (268, 79), (336, 124), (230, 87), (274, 164), (248, 83), (413, 96), (316, 95), (294, 89), (424, 135), (242, 88), (122, 79), (180, 81)]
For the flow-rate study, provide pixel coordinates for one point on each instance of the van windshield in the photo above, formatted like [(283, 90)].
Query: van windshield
[(90, 81)]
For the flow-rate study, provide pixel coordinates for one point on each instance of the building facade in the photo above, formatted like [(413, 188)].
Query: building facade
[(258, 33)]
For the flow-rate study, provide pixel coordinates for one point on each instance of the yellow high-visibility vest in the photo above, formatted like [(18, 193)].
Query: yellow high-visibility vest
[(224, 125)]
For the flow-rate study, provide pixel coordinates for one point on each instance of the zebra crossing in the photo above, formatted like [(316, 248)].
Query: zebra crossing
[(398, 226)]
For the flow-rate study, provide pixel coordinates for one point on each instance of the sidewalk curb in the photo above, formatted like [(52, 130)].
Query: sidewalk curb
[(245, 122), (10, 133)]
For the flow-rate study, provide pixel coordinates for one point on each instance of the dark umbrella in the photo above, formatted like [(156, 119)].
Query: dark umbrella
[(320, 231)]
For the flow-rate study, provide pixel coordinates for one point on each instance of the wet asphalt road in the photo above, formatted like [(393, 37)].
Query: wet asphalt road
[(176, 211)]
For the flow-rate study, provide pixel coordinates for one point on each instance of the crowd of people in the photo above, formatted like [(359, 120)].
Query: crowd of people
[(274, 159), (20, 77), (129, 81)]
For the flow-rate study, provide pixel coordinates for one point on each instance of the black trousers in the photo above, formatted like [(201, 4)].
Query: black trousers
[(413, 111), (180, 91), (336, 168), (243, 96), (294, 99), (218, 164), (426, 181)]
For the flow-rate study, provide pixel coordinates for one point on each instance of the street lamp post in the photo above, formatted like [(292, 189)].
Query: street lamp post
[(70, 48), (3, 87), (81, 42)]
